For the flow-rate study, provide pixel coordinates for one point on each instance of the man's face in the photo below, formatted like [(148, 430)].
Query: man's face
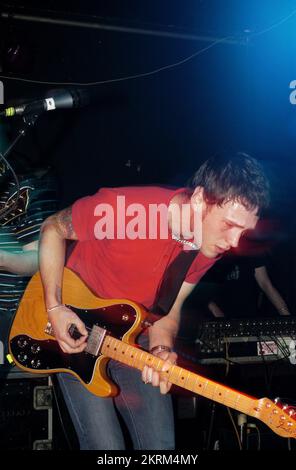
[(223, 226)]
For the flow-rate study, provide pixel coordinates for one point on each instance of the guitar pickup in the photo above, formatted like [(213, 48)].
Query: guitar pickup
[(95, 340)]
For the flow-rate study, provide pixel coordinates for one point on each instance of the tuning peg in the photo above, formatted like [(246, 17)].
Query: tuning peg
[(277, 401), (292, 411)]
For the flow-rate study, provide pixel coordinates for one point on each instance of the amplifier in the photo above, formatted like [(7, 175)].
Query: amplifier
[(25, 413), (245, 340)]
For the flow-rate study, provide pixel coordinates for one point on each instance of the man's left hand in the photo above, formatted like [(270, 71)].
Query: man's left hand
[(156, 379)]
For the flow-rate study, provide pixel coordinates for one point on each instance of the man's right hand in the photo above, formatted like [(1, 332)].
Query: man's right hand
[(61, 319)]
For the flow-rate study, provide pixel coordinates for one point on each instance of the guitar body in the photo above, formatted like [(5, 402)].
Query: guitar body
[(35, 350)]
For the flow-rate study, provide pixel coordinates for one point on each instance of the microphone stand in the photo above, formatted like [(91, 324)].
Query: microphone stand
[(29, 122)]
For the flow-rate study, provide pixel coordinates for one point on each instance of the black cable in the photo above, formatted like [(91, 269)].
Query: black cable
[(280, 346)]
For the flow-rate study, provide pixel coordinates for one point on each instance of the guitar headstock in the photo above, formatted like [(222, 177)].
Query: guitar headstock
[(279, 417)]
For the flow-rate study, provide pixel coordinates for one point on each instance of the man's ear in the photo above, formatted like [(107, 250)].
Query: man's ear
[(197, 198)]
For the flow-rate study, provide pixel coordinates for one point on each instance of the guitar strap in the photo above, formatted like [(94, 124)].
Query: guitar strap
[(172, 281)]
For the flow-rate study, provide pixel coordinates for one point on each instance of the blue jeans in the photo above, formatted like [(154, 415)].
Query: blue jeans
[(147, 414)]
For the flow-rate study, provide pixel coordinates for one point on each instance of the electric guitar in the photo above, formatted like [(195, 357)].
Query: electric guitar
[(112, 328)]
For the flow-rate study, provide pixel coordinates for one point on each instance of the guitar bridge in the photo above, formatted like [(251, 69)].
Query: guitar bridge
[(95, 340)]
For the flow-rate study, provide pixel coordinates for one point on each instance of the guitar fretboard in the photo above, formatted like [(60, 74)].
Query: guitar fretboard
[(137, 358)]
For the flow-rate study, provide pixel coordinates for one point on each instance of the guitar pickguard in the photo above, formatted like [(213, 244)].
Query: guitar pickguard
[(33, 353)]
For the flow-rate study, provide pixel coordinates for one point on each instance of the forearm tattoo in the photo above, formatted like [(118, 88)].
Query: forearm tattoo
[(64, 219)]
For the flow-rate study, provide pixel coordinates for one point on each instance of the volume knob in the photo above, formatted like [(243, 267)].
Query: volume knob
[(35, 348), (35, 363), (22, 357), (22, 342)]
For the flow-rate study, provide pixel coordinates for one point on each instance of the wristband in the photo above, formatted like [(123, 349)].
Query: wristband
[(160, 348), (54, 307)]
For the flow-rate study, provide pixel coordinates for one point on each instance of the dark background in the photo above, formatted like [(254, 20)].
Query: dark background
[(233, 96)]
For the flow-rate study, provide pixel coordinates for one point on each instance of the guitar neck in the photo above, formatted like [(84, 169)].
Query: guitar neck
[(138, 358)]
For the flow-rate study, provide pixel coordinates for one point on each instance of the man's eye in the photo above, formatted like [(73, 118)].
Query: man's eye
[(227, 225)]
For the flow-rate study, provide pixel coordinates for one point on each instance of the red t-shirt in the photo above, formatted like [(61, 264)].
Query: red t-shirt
[(121, 267)]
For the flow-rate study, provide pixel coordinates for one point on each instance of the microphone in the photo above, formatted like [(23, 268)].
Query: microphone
[(55, 99)]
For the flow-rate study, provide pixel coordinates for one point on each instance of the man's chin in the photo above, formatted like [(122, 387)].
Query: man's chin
[(209, 252)]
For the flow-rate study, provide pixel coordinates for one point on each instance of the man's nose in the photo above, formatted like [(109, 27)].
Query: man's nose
[(233, 239)]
